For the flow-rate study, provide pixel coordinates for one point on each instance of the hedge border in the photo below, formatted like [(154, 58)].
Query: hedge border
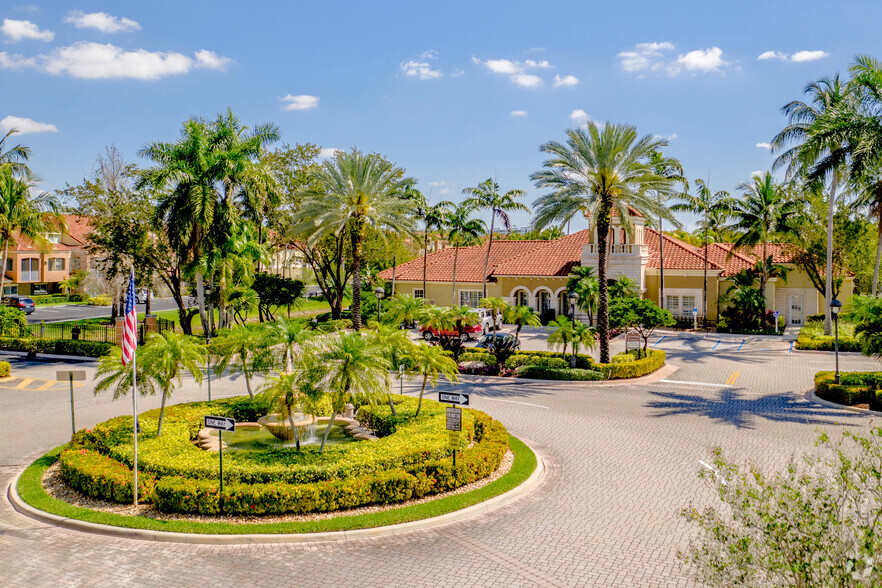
[(847, 394), (30, 490), (654, 360)]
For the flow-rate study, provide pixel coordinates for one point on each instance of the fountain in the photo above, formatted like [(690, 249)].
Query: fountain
[(281, 427)]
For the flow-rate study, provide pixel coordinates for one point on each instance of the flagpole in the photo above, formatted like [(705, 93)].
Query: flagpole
[(135, 395)]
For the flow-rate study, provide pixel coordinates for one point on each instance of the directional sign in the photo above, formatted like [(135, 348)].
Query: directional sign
[(220, 423), (454, 419), (67, 375), (776, 314), (460, 399)]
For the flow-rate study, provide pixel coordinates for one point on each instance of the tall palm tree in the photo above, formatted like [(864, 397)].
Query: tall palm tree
[(524, 315), (584, 284), (595, 172), (486, 196), (355, 191), (433, 217), (807, 148), (15, 156), (169, 355), (431, 362), (24, 215), (706, 203), (762, 210), (462, 231), (672, 169)]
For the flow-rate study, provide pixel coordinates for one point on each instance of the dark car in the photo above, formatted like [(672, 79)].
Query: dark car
[(22, 303), (494, 339)]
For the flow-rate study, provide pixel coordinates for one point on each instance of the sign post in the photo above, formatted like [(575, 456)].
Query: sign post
[(694, 318), (454, 417), (776, 322), (454, 398), (70, 376), (221, 424)]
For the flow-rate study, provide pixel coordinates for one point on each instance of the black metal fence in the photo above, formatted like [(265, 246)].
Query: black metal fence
[(688, 323), (99, 333)]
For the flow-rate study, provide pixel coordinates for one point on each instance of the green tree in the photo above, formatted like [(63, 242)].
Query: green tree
[(168, 356), (644, 316), (292, 334), (462, 231), (708, 205), (283, 395), (496, 305), (867, 316), (595, 172), (357, 190), (672, 169), (486, 196), (246, 349), (562, 334), (433, 217), (405, 309), (584, 284), (583, 336), (763, 209), (15, 157), (74, 283), (432, 362), (524, 315), (397, 348), (623, 287)]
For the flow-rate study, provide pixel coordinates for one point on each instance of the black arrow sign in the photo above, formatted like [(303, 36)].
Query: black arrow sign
[(456, 398), (220, 423)]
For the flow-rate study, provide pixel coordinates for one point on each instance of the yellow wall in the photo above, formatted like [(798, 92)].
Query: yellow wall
[(673, 280)]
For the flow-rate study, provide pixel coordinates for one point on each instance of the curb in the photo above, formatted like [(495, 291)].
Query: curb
[(541, 476), (815, 398)]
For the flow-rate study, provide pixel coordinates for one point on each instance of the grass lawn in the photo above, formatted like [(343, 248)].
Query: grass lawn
[(31, 491), (815, 329)]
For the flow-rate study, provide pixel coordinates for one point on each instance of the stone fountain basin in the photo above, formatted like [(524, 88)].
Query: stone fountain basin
[(281, 428)]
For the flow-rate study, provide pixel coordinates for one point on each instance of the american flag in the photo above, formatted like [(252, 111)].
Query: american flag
[(130, 336)]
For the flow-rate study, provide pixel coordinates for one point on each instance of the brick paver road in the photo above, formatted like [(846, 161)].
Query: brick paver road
[(626, 460)]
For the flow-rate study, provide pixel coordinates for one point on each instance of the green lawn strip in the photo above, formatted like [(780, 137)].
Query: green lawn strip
[(30, 489)]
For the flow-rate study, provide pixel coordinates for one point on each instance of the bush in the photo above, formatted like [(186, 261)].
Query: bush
[(542, 373), (633, 369), (79, 297), (99, 476), (523, 359), (853, 388), (476, 356), (624, 357), (5, 369), (56, 346), (583, 361), (50, 299), (827, 343), (100, 301)]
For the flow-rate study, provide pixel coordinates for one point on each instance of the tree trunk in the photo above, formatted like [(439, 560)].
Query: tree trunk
[(878, 256), (455, 255), (394, 258), (392, 405), (603, 292), (764, 276), (487, 257), (357, 234), (327, 430), (6, 256), (425, 256), (161, 412), (422, 390), (147, 303), (247, 378), (704, 294), (828, 287), (661, 260), (293, 428), (200, 300)]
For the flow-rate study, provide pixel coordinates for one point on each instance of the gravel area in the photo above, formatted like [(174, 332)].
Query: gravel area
[(55, 486)]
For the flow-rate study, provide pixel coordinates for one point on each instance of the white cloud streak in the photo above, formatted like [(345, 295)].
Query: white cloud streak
[(25, 125), (328, 152), (518, 113), (565, 81), (764, 145), (516, 71), (653, 57), (300, 102), (579, 116), (798, 57), (17, 30), (101, 21), (419, 69)]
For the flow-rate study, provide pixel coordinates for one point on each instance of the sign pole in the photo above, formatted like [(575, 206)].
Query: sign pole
[(73, 426), (454, 447), (220, 452)]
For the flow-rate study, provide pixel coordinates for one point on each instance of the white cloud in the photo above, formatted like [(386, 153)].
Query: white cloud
[(25, 125), (16, 30), (798, 57), (502, 66), (701, 60), (419, 69), (757, 174), (651, 57), (457, 72), (300, 102), (526, 80), (764, 145), (518, 113), (328, 152), (93, 61), (516, 70), (430, 54), (540, 64), (102, 22), (579, 116), (565, 81), (645, 56)]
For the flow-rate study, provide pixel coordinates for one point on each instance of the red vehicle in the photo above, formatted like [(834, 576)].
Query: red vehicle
[(468, 332)]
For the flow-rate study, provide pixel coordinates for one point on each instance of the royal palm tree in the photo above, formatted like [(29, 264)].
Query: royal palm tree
[(486, 196), (245, 348), (763, 209), (169, 355), (584, 284), (672, 169), (808, 148), (292, 334), (432, 362), (23, 215), (595, 172), (524, 315), (462, 231), (15, 156), (707, 204), (433, 217), (355, 191)]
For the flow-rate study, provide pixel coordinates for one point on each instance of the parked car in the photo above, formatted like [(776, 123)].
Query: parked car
[(493, 339), (23, 303), (141, 296), (486, 316), (469, 332)]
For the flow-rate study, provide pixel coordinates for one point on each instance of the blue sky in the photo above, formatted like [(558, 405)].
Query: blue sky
[(455, 92)]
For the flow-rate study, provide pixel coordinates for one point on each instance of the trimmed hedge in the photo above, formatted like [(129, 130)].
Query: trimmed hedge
[(516, 361), (542, 373), (807, 343), (99, 476), (633, 369), (484, 356), (5, 369), (853, 388), (583, 361), (50, 298), (56, 346)]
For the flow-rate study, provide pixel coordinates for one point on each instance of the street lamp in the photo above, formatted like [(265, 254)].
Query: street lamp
[(835, 306), (380, 292), (573, 298)]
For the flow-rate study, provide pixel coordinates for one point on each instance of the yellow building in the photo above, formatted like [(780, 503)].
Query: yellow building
[(534, 273)]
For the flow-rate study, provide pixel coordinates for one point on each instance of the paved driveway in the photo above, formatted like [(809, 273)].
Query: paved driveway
[(627, 456)]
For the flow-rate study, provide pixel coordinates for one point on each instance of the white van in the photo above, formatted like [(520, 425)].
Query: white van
[(486, 316)]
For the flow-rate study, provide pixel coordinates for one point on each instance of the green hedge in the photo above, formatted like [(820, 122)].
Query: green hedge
[(543, 373), (50, 298), (549, 359), (99, 476), (633, 369), (827, 343), (5, 369), (484, 356), (853, 388), (516, 361), (583, 361), (56, 346)]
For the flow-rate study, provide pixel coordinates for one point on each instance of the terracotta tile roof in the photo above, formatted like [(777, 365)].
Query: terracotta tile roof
[(469, 263), (78, 227), (736, 260), (679, 255), (548, 258)]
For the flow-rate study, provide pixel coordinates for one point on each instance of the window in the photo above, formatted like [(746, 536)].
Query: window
[(522, 298), (40, 289), (53, 237), (56, 264), (75, 263), (672, 303), (544, 302), (8, 266), (10, 289), (30, 270), (681, 301), (469, 298), (688, 304), (418, 293)]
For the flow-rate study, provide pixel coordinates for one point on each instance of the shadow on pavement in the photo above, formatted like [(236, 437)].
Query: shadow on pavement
[(497, 387), (739, 411)]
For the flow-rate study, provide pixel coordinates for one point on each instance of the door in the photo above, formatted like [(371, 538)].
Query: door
[(796, 317)]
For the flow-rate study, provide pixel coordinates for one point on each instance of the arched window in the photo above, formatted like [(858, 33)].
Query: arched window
[(522, 298)]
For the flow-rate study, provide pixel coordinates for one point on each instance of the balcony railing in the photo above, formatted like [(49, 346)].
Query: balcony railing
[(614, 249)]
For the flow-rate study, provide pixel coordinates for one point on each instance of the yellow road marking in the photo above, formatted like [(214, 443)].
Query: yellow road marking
[(24, 383), (47, 385), (732, 378)]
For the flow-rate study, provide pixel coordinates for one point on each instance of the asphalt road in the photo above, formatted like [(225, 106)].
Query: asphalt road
[(75, 312)]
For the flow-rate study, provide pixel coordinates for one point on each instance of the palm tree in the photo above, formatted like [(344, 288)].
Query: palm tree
[(15, 156), (405, 309), (282, 392), (23, 215), (292, 334), (74, 283), (562, 334), (247, 348), (672, 169), (806, 147), (583, 336), (584, 284), (437, 318), (462, 231), (763, 209), (595, 172), (168, 356), (397, 348), (355, 191), (496, 305), (430, 362), (433, 217), (623, 287), (486, 196), (707, 204), (524, 315)]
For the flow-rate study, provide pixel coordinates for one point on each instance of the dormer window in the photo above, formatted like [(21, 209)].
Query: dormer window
[(53, 237)]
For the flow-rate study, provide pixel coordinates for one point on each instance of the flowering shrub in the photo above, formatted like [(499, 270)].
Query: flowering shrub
[(5, 369), (99, 476)]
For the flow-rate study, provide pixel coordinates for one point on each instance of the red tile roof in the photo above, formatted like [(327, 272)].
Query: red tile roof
[(469, 262), (78, 227), (679, 255), (735, 260)]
